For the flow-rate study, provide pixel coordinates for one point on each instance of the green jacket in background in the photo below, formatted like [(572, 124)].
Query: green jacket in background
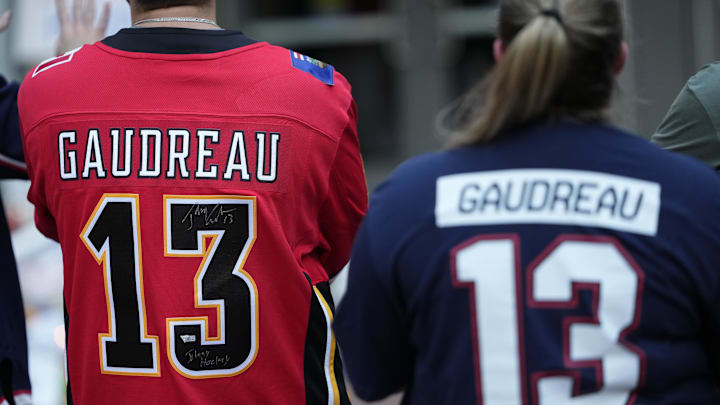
[(692, 126)]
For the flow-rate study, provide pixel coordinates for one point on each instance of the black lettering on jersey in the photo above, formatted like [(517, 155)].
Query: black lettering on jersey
[(126, 154), (607, 201), (564, 190), (582, 197), (492, 197), (93, 156), (145, 170), (68, 158), (539, 195), (261, 174), (562, 196), (507, 204), (625, 215), (178, 158), (468, 204), (204, 153), (237, 158)]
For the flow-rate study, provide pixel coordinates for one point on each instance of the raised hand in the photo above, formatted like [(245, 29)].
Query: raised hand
[(79, 28), (5, 20)]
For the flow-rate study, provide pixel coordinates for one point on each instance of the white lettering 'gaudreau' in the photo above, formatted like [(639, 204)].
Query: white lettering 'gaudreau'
[(548, 196)]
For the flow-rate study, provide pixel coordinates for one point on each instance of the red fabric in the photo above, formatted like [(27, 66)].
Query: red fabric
[(306, 219)]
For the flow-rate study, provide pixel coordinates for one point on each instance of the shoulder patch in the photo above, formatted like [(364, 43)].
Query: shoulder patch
[(322, 71)]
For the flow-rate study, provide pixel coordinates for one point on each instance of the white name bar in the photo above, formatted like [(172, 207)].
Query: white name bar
[(548, 196)]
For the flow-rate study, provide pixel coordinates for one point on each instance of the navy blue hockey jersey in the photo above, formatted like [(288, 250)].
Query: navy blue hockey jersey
[(561, 264), (14, 380)]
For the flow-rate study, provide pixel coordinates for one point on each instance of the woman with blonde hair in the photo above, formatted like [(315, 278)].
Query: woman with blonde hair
[(547, 257)]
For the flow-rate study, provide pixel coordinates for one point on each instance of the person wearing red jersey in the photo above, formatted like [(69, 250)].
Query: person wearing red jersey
[(204, 188)]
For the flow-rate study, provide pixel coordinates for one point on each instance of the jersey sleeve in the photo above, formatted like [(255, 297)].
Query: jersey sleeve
[(12, 161), (689, 127), (346, 203), (34, 158), (375, 318), (44, 220), (371, 327)]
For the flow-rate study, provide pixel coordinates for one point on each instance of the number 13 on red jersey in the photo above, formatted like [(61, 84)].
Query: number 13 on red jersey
[(221, 230)]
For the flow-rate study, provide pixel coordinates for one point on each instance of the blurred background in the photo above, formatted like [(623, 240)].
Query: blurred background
[(406, 60)]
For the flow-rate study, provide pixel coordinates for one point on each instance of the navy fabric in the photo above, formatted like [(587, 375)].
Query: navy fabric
[(13, 340), (404, 325), (11, 153)]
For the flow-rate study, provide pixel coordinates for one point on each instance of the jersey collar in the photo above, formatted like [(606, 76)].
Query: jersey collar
[(177, 41)]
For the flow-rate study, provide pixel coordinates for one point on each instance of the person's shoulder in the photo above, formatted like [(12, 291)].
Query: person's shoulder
[(690, 174), (303, 70), (53, 78), (410, 188), (708, 75), (56, 70), (48, 84), (306, 88), (421, 169), (705, 85), (605, 148), (403, 204), (685, 181), (661, 162)]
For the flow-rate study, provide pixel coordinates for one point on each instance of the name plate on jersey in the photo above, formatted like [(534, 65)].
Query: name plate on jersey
[(548, 196)]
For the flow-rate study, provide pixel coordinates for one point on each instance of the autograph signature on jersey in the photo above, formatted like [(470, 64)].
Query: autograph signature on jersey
[(207, 360), (209, 215)]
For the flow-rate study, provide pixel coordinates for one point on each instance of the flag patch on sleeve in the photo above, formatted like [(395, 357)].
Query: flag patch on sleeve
[(321, 70)]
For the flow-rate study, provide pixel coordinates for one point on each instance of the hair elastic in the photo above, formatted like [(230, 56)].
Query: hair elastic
[(554, 13)]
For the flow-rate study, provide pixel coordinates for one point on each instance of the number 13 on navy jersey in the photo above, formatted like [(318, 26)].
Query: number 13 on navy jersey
[(510, 287), (489, 268)]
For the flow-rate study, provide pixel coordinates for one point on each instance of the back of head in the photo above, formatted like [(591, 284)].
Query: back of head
[(559, 60), (148, 5)]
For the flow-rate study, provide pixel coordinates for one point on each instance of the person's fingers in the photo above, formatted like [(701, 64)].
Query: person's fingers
[(77, 10), (62, 12), (88, 12), (5, 20), (85, 16), (90, 9), (104, 18)]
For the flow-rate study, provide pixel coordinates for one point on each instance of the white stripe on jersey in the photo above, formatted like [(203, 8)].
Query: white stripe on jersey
[(13, 163)]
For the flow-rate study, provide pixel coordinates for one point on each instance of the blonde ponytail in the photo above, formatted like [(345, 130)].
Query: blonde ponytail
[(526, 77), (551, 66)]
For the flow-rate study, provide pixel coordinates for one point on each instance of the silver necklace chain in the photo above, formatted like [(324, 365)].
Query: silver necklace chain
[(178, 19)]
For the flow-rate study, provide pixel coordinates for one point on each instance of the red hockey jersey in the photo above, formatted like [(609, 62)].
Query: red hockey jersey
[(204, 187)]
